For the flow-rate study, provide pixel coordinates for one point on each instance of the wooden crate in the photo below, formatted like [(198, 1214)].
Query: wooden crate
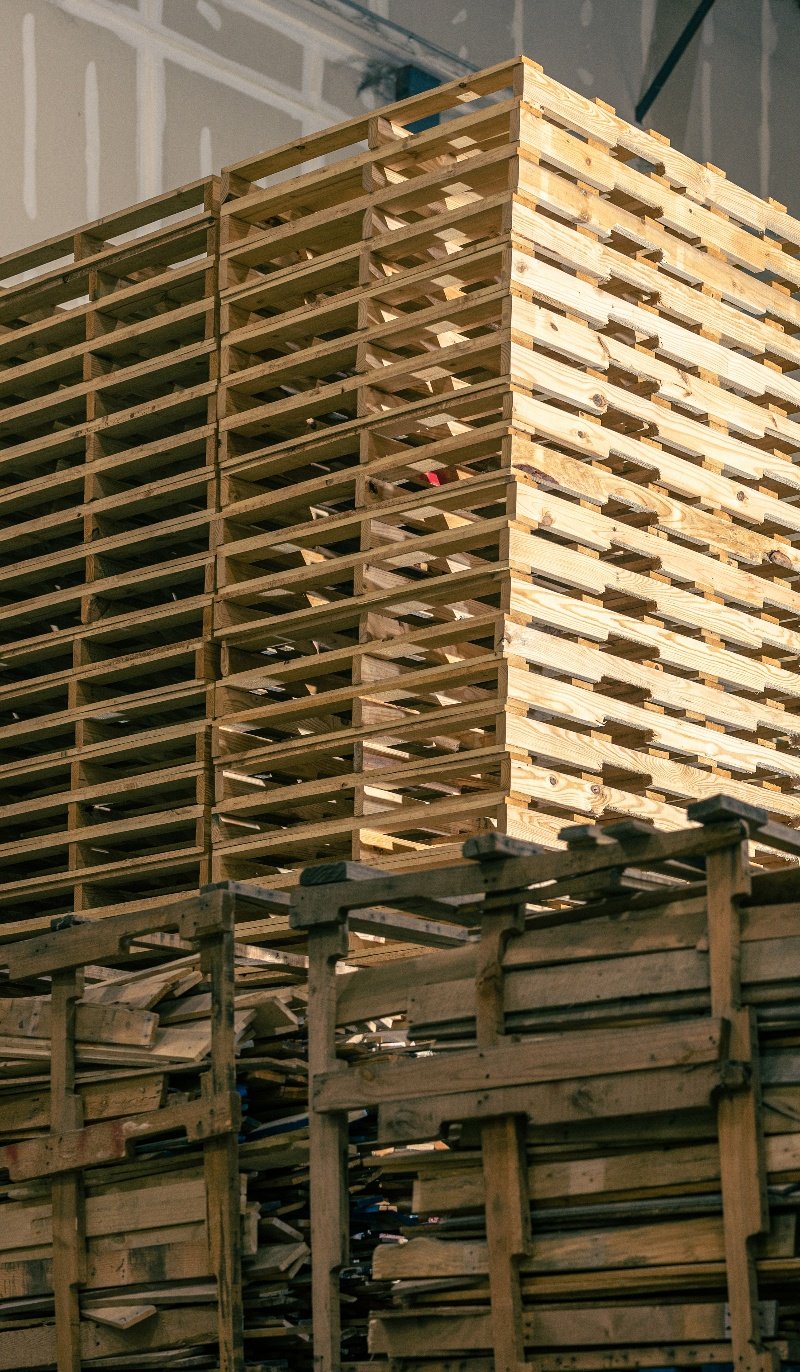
[(123, 1254), (508, 514), (109, 355), (154, 1143), (594, 1111)]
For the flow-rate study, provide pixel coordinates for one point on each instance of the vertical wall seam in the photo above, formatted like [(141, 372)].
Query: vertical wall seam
[(768, 44), (91, 102), (29, 100), (706, 139), (150, 109)]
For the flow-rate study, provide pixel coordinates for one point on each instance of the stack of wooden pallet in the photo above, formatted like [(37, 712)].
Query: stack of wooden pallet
[(592, 1134), (107, 428), (508, 531), (358, 579), (503, 503)]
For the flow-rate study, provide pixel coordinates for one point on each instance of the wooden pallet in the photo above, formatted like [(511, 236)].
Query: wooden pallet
[(507, 533), (108, 422), (594, 1105)]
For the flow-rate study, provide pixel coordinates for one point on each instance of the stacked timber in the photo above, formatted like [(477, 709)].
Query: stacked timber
[(591, 1135), (108, 436), (508, 531)]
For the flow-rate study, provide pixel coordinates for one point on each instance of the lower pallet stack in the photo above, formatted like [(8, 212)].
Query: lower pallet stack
[(627, 1252), (573, 1140), (592, 1136), (154, 1292)]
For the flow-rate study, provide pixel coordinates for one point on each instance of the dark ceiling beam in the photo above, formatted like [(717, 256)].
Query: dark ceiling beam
[(672, 59)]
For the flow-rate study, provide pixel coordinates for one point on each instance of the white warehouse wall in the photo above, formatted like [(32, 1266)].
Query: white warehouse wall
[(104, 102)]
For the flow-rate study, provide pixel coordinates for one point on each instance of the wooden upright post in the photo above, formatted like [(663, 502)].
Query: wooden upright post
[(505, 1173), (327, 1145), (330, 1213), (66, 1115), (744, 1197), (221, 1154)]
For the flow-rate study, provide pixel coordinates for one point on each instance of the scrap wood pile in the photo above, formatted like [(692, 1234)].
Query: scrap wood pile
[(160, 1284), (592, 1136)]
